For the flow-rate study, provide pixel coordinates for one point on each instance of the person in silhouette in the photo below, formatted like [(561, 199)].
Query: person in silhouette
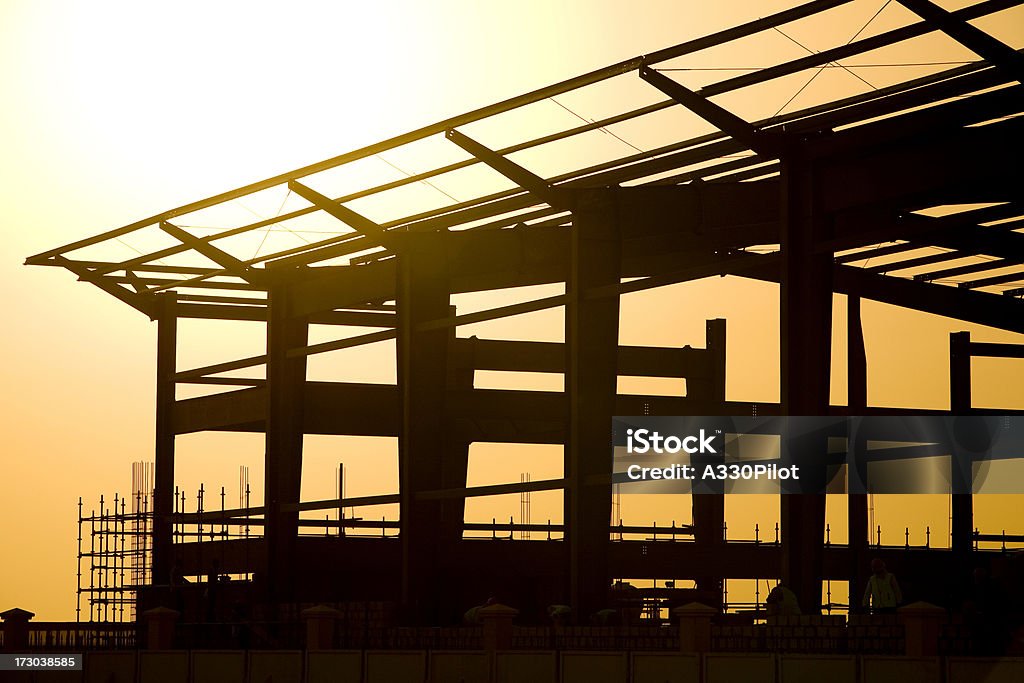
[(883, 592), (177, 583), (472, 615), (212, 590), (560, 615), (781, 602)]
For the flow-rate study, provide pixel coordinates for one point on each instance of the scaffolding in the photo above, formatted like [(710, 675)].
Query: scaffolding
[(119, 560)]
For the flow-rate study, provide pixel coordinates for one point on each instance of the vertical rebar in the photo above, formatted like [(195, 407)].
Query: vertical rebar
[(247, 490), (146, 577)]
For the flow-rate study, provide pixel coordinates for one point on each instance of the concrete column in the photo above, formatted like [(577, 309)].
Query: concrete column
[(960, 402), (694, 626), (806, 336), (592, 334), (922, 622), (709, 508), (286, 379), (856, 499), (455, 460), (160, 623), (497, 626), (423, 296), (320, 627), (163, 492)]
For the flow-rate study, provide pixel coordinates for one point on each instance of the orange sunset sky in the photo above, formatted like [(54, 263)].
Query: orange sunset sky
[(113, 111)]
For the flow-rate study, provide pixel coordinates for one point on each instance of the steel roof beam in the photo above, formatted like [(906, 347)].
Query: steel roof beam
[(364, 226), (766, 144), (993, 280), (894, 97), (133, 299), (231, 264), (974, 39), (525, 179), (727, 35)]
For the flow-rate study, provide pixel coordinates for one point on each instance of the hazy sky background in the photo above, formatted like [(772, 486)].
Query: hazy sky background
[(118, 110)]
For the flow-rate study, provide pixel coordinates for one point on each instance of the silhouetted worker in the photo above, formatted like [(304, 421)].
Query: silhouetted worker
[(472, 615), (560, 615), (212, 589), (178, 580), (241, 627), (883, 591), (781, 602)]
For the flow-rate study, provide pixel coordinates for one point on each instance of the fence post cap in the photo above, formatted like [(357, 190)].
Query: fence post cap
[(320, 612), (922, 609), (497, 610), (17, 614), (694, 609)]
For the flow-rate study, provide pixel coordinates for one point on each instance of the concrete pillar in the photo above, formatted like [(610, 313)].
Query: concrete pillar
[(497, 626), (286, 378), (694, 626), (806, 341), (422, 297), (320, 627), (16, 629), (455, 459), (922, 622), (160, 622), (960, 400), (592, 344), (163, 485), (709, 507), (856, 499)]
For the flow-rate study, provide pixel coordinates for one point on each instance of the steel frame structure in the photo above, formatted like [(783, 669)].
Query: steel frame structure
[(832, 189)]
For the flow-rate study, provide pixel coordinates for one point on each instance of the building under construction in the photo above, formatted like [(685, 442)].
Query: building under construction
[(840, 197)]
